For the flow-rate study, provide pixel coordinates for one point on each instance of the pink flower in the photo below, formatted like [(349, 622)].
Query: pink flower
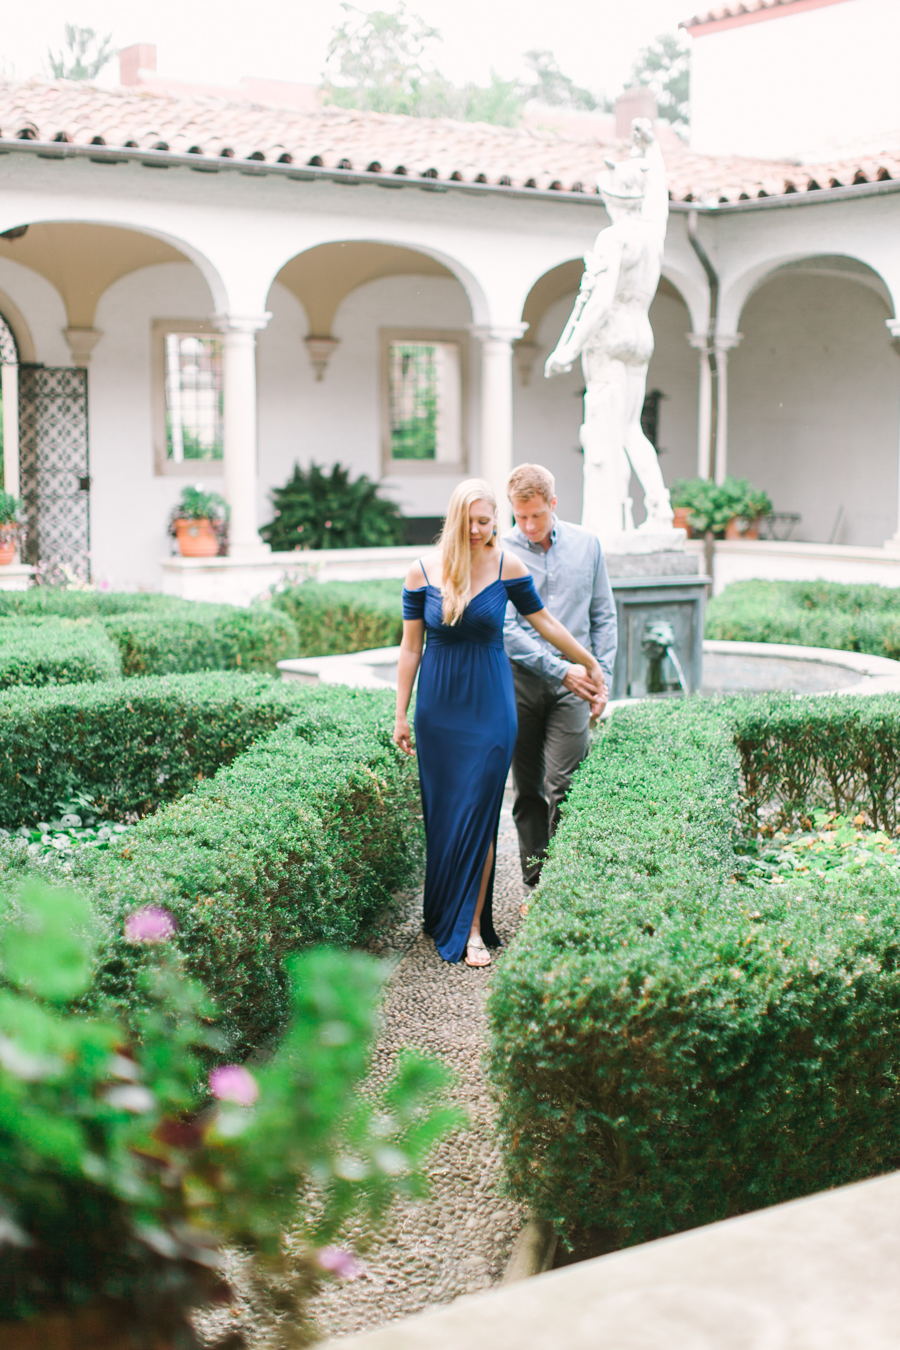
[(150, 924), (340, 1263), (233, 1083)]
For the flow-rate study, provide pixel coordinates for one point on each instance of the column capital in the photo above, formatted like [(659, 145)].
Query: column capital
[(508, 333), (722, 342), (725, 342), (81, 342), (240, 323), (699, 341), (893, 327)]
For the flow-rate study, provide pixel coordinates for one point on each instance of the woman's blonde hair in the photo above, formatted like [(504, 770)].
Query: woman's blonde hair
[(456, 555)]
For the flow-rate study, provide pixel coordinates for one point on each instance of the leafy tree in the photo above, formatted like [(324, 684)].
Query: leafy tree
[(83, 55), (665, 67), (551, 86), (319, 510)]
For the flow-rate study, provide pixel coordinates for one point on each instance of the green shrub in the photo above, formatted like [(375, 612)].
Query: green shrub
[(301, 840), (671, 1047), (161, 635), (125, 1170), (810, 614), (128, 745), (319, 510), (343, 616), (55, 651), (714, 505)]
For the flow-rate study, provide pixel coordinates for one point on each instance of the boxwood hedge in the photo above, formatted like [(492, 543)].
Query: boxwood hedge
[(671, 1047), (162, 635), (130, 744), (343, 616), (304, 821), (55, 651), (809, 613)]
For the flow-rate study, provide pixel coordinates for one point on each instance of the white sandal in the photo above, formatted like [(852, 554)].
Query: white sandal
[(476, 943)]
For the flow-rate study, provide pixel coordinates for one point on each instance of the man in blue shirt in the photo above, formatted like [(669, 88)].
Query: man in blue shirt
[(556, 701)]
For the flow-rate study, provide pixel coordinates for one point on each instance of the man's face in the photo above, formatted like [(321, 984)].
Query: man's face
[(534, 517)]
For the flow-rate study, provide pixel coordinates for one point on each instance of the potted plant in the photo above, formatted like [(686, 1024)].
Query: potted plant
[(133, 1154), (316, 510), (199, 523), (11, 527), (728, 510)]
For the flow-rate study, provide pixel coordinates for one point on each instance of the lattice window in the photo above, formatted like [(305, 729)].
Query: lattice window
[(194, 400), (9, 355), (423, 401), (55, 473)]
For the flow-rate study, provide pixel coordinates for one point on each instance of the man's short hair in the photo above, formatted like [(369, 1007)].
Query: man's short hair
[(531, 480)]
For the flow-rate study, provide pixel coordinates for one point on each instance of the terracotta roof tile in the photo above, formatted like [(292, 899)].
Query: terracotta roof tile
[(471, 152), (736, 10)]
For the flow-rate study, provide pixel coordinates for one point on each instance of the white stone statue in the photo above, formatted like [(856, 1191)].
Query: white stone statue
[(610, 330)]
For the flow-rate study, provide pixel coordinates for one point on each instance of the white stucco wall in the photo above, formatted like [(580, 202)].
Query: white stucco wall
[(339, 418), (130, 503), (817, 83), (814, 395), (42, 308)]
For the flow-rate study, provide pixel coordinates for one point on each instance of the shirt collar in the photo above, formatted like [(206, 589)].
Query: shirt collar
[(523, 539)]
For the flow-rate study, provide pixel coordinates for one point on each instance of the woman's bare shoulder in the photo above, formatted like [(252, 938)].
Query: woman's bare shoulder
[(424, 569), (513, 567)]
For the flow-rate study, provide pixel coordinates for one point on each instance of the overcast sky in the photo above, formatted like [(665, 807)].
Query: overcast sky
[(595, 41)]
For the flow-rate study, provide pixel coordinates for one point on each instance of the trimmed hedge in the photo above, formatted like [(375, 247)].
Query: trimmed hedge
[(302, 840), (343, 616), (129, 745), (671, 1047), (161, 635), (55, 651), (810, 614)]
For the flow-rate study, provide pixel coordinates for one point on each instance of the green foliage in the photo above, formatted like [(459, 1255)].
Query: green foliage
[(342, 616), (810, 614), (713, 505), (828, 843), (551, 86), (10, 507), (319, 510), (122, 1180), (83, 55), (303, 839), (55, 651), (160, 635), (128, 745), (195, 504), (665, 67), (671, 1047)]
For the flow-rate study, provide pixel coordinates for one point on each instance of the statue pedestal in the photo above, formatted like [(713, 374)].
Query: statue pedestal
[(660, 601)]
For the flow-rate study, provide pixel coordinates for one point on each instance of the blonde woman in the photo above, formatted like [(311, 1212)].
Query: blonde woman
[(466, 710)]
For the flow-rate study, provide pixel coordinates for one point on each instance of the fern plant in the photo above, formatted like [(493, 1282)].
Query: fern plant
[(316, 509)]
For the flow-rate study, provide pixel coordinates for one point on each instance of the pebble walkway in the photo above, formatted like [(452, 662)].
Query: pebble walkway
[(458, 1241)]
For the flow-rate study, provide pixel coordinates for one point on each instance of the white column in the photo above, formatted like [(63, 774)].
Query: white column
[(725, 342), (240, 417), (893, 544), (497, 410), (700, 344), (11, 479)]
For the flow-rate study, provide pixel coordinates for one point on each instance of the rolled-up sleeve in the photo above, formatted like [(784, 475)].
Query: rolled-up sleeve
[(604, 629)]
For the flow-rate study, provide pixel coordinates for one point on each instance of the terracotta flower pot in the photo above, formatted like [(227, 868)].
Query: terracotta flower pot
[(196, 538), (742, 527), (682, 518), (7, 551)]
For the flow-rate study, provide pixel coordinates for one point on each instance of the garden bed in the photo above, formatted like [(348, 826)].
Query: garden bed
[(810, 614), (672, 1044)]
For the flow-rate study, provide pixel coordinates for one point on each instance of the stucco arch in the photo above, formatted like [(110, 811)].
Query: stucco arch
[(565, 278), (82, 258), (847, 266), (322, 276)]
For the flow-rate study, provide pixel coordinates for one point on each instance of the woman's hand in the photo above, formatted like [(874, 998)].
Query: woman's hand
[(403, 736)]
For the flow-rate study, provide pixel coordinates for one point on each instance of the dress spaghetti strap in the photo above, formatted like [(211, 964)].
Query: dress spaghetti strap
[(499, 574), (424, 573)]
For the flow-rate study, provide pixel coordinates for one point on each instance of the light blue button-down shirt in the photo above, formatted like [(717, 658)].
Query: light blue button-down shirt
[(571, 579)]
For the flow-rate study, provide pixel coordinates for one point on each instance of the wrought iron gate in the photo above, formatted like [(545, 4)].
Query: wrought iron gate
[(54, 466)]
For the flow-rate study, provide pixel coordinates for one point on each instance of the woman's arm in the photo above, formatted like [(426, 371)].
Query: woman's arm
[(407, 666), (544, 623)]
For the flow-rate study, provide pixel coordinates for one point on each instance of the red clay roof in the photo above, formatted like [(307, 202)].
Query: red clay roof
[(751, 11), (338, 138)]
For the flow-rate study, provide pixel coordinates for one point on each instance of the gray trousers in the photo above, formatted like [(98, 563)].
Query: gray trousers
[(553, 739)]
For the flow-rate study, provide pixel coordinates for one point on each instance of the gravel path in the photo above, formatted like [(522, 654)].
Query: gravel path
[(458, 1241)]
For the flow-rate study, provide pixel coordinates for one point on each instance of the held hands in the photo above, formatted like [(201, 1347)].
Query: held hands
[(589, 685), (403, 736)]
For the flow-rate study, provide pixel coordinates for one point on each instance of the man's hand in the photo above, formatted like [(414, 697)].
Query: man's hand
[(591, 687)]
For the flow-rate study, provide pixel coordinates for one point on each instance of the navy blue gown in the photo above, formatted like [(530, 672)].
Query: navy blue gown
[(465, 732)]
